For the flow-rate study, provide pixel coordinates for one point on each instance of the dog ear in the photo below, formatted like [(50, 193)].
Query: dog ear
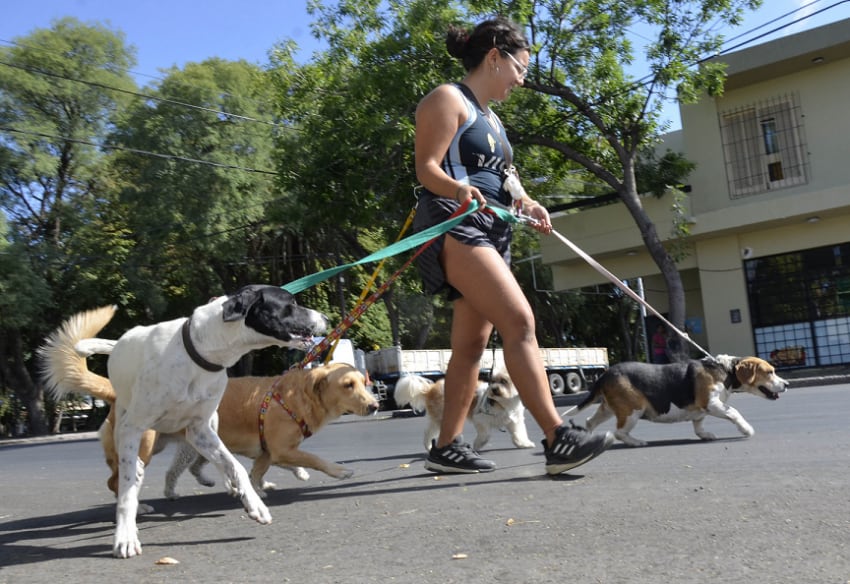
[(746, 372), (237, 305), (319, 378)]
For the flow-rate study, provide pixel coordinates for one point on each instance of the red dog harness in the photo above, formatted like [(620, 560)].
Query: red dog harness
[(305, 431)]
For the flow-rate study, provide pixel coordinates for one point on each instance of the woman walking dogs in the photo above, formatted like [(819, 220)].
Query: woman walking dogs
[(462, 153)]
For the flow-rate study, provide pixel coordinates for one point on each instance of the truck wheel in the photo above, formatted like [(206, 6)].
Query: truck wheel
[(556, 383), (574, 383)]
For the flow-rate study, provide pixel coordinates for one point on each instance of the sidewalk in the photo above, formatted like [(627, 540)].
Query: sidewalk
[(65, 437), (817, 376)]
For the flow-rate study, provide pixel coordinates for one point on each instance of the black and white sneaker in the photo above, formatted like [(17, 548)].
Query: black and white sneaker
[(457, 457), (573, 446)]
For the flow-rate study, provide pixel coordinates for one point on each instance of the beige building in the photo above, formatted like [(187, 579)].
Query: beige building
[(768, 268)]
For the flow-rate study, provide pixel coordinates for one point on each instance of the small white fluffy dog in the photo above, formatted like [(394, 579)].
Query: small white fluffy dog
[(496, 405)]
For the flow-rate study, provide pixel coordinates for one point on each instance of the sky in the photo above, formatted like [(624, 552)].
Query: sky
[(175, 32)]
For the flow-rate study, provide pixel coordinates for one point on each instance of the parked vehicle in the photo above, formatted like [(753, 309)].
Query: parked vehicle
[(570, 369)]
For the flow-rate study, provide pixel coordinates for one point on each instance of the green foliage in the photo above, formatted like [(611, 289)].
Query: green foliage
[(23, 291), (54, 96), (348, 161), (179, 209)]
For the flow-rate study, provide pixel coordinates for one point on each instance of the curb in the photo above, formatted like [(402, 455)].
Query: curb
[(71, 437)]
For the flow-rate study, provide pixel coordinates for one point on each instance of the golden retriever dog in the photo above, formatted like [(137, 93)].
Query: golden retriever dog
[(678, 392), (267, 419), (496, 406)]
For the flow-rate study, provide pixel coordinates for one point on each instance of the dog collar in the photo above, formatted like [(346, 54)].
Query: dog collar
[(264, 407), (193, 352)]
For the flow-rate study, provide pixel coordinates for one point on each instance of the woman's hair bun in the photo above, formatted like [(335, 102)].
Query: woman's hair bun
[(456, 40)]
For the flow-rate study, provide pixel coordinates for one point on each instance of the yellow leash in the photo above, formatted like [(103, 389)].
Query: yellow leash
[(370, 284)]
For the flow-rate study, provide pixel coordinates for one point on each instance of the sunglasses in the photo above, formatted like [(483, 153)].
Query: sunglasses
[(522, 70)]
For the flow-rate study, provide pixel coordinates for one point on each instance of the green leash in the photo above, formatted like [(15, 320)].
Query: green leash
[(396, 248)]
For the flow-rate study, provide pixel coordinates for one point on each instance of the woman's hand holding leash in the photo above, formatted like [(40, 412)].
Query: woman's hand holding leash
[(538, 217), (465, 192)]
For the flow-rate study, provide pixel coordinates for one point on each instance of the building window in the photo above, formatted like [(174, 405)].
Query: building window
[(800, 306), (763, 146)]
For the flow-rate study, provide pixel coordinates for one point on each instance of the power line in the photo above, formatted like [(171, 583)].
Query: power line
[(137, 151), (649, 78), (801, 19), (137, 94), (137, 74)]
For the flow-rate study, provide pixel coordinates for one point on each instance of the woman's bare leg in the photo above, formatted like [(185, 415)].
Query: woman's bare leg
[(491, 294)]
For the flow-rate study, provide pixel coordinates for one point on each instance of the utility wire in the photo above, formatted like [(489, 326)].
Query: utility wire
[(128, 71), (137, 151), (137, 94), (802, 18), (648, 79)]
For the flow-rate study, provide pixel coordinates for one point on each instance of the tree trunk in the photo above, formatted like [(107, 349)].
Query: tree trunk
[(669, 271), (31, 394)]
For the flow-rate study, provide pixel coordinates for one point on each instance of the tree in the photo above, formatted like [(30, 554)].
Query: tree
[(348, 161), (586, 105), (54, 111), (197, 161)]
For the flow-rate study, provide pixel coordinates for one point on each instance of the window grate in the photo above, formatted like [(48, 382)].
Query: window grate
[(764, 146)]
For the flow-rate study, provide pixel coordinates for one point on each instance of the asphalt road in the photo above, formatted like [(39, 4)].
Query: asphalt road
[(773, 508)]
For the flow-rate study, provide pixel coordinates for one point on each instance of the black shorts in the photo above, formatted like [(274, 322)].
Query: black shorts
[(476, 229)]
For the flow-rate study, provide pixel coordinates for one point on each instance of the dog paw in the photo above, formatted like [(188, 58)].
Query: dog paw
[(256, 509), (628, 440), (340, 472), (205, 481), (746, 429), (707, 436), (524, 444), (268, 486), (144, 508), (300, 473), (126, 547)]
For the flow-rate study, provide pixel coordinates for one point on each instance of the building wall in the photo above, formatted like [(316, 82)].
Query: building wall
[(725, 230), (823, 92)]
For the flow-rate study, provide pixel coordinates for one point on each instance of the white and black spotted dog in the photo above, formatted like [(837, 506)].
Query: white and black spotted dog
[(170, 377)]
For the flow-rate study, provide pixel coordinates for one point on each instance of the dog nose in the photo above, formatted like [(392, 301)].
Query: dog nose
[(373, 407)]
